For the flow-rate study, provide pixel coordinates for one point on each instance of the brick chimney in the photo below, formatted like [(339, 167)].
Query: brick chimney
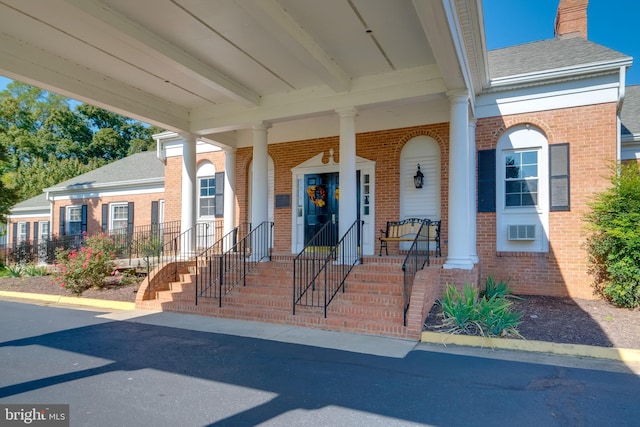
[(571, 19)]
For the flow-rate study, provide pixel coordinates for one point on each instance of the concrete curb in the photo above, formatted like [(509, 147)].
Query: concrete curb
[(61, 299), (617, 354)]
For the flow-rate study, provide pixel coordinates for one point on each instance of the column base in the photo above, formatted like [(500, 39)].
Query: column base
[(458, 264)]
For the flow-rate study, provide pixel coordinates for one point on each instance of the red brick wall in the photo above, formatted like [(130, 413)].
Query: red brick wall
[(31, 220), (383, 147), (141, 209), (173, 181), (591, 133)]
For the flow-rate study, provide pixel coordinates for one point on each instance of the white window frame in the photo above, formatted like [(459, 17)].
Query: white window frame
[(71, 212), (115, 221), (21, 233), (536, 178), (212, 209), (520, 139), (42, 226)]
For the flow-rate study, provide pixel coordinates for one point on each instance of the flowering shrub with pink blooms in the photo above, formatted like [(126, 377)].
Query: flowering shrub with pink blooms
[(87, 267)]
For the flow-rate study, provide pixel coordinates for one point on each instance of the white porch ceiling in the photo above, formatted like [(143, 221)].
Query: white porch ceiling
[(208, 66)]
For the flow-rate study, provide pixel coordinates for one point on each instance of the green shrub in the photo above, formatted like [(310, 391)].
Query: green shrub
[(12, 271), (79, 270), (470, 313), (35, 270), (613, 243)]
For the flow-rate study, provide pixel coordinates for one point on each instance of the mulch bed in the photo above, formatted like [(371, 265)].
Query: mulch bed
[(44, 285), (569, 321)]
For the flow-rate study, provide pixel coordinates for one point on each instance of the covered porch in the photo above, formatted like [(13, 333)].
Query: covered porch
[(355, 92)]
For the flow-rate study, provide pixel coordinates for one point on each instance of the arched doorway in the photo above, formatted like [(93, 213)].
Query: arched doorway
[(422, 202)]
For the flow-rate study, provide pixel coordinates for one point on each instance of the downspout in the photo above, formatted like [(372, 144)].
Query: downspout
[(621, 93)]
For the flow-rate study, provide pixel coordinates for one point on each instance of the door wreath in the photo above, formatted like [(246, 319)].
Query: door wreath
[(318, 195)]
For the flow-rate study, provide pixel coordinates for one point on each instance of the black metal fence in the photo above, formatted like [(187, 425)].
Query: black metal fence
[(320, 269), (225, 265), (134, 243), (417, 257)]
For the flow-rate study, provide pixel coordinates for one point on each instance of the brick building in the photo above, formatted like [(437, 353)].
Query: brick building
[(326, 112)]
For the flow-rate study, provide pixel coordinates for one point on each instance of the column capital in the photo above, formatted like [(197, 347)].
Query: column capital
[(188, 137), (261, 126), (347, 111), (458, 96)]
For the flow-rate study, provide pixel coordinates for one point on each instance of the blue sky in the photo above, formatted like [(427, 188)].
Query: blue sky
[(513, 22), (609, 23)]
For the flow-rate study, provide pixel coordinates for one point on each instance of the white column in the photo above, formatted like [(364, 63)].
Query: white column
[(260, 176), (459, 171), (229, 191), (260, 190), (188, 208), (347, 211), (473, 193), (348, 207)]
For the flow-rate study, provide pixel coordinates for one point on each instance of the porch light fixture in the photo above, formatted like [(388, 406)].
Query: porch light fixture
[(418, 179)]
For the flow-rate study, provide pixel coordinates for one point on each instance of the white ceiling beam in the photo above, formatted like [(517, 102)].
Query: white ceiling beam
[(437, 26), (36, 67), (168, 53), (273, 18), (397, 86)]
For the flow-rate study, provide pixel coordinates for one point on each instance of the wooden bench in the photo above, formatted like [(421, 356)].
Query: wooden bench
[(406, 231)]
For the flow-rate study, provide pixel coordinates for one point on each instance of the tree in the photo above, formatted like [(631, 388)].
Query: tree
[(613, 244), (46, 141), (7, 195)]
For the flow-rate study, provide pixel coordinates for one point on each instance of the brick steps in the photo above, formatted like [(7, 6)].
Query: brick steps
[(371, 304)]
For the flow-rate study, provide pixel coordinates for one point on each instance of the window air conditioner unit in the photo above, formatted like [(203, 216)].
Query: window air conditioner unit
[(522, 232)]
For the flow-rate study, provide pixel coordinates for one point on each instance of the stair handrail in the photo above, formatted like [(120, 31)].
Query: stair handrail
[(415, 260), (328, 265), (220, 269), (175, 252)]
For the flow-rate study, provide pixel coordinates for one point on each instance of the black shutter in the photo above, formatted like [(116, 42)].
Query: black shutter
[(559, 183), (105, 218), (486, 180), (35, 233), (219, 194), (62, 224), (130, 217), (154, 212), (83, 224), (15, 234)]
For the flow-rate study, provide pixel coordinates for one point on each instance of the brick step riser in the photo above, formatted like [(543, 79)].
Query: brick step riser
[(387, 312), (312, 320), (364, 293)]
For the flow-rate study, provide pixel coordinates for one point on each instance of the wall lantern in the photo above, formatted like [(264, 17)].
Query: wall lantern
[(418, 179)]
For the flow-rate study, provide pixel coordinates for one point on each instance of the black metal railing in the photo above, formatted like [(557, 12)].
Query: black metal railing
[(143, 241), (172, 258), (136, 242), (417, 257), (226, 264), (176, 255), (320, 269)]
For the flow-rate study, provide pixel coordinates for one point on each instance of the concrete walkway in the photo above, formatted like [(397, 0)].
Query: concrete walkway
[(569, 355)]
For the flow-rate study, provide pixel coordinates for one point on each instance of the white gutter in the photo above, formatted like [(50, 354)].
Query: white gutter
[(572, 71), (129, 183)]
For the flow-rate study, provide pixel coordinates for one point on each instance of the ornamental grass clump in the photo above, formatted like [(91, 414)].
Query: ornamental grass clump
[(87, 267), (489, 314)]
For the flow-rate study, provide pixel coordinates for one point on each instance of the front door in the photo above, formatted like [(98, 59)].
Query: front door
[(321, 206)]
